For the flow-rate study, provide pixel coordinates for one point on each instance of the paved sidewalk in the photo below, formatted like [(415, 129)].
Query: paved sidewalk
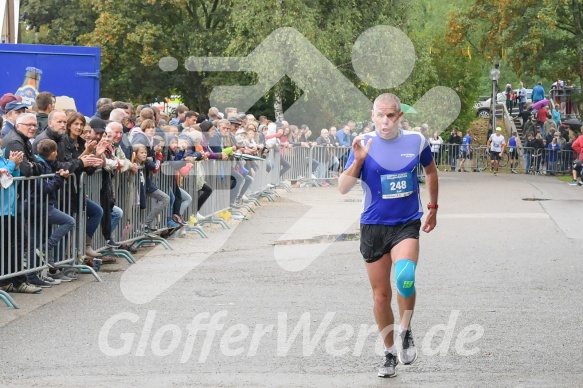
[(500, 274)]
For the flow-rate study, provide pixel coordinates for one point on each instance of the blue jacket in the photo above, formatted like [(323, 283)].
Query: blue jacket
[(538, 93), (8, 196), (7, 128), (343, 139), (552, 152)]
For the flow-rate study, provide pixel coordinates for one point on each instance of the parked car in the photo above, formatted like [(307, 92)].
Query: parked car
[(483, 107)]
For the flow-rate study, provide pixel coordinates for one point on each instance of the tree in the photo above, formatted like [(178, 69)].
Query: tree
[(135, 34), (537, 37)]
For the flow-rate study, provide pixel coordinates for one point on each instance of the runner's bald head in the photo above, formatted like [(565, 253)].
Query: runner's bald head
[(388, 98)]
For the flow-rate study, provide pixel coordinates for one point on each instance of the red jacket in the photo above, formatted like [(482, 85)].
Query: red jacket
[(577, 146), (541, 115)]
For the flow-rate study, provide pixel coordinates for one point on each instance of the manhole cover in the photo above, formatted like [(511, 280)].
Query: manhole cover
[(328, 238), (535, 199)]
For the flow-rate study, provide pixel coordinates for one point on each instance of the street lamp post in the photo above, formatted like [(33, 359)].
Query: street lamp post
[(494, 76)]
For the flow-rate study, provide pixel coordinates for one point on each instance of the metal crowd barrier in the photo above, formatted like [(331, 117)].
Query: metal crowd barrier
[(260, 186), (28, 229), (328, 161), (217, 175), (301, 166)]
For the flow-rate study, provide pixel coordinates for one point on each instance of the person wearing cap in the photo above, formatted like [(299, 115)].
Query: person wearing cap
[(496, 145), (12, 110), (235, 123), (5, 99)]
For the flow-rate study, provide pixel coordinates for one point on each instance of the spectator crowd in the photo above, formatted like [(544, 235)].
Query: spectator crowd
[(59, 146)]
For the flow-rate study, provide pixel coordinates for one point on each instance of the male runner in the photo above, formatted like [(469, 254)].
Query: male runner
[(386, 161), (496, 144)]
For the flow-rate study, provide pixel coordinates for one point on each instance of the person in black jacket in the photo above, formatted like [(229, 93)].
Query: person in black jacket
[(538, 153), (73, 149), (45, 105), (55, 129), (18, 141), (528, 152), (46, 200), (455, 142)]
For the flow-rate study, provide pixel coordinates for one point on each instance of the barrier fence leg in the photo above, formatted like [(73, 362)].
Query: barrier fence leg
[(153, 240), (197, 229), (84, 269), (8, 300), (216, 220), (120, 253)]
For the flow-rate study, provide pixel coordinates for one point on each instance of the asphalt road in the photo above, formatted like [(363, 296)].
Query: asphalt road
[(273, 302)]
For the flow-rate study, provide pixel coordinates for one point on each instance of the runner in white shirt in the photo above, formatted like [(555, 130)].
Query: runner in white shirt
[(496, 144)]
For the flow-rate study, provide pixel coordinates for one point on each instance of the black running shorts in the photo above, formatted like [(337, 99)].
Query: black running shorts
[(494, 155), (378, 240)]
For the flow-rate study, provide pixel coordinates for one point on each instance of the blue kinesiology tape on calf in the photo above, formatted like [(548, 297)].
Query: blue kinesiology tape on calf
[(405, 277)]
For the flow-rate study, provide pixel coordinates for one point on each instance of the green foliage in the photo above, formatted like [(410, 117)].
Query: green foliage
[(538, 39), (135, 34)]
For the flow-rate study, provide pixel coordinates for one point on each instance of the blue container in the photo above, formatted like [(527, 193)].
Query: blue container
[(71, 71)]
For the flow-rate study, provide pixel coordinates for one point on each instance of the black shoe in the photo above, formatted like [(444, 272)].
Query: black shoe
[(388, 369), (36, 281), (113, 244)]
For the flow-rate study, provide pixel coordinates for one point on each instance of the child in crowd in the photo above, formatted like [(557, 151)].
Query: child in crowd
[(179, 198), (150, 162), (47, 194)]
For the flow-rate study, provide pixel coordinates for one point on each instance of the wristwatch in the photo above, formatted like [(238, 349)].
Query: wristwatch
[(432, 206)]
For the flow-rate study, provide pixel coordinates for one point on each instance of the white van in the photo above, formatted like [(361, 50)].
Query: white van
[(483, 107)]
